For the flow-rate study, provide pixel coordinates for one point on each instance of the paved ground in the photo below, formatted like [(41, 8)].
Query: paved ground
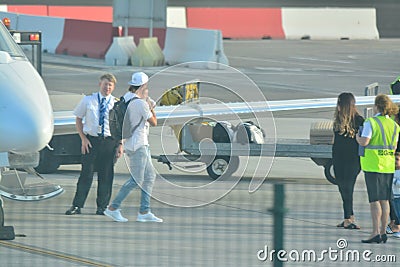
[(236, 229), (227, 232)]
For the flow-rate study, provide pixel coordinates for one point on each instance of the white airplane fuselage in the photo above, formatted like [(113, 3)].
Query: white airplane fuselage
[(26, 120), (26, 115)]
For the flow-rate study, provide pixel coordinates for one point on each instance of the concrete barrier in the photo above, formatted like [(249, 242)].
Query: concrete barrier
[(51, 28), (148, 53), (187, 45), (86, 38), (249, 23), (120, 51), (330, 23), (144, 33), (176, 17), (78, 37)]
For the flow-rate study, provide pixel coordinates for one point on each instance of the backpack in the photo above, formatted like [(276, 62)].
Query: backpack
[(116, 119), (248, 132)]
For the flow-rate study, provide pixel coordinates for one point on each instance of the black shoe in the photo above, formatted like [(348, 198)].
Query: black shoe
[(100, 212), (376, 239), (384, 238), (73, 210)]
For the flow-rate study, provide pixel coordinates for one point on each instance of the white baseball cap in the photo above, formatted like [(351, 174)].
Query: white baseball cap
[(138, 79)]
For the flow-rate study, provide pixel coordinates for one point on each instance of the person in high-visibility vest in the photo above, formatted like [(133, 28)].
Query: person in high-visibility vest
[(379, 139)]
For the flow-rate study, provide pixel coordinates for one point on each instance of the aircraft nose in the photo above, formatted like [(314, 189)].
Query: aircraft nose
[(31, 127), (26, 115)]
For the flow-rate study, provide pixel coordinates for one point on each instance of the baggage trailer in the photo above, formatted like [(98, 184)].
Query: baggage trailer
[(223, 158)]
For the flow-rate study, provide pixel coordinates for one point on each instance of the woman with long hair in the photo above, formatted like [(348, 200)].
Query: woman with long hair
[(379, 137), (346, 161)]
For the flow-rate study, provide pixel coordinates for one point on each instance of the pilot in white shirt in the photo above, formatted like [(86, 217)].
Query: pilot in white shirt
[(99, 148)]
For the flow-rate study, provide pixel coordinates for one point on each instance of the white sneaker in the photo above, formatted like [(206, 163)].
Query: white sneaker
[(115, 215), (148, 217), (396, 234)]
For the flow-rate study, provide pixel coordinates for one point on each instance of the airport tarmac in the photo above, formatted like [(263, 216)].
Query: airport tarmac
[(231, 227)]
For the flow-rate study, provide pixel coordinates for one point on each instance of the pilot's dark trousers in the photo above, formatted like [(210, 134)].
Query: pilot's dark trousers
[(100, 159)]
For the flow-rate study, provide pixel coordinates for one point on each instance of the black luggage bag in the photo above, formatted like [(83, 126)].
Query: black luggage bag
[(7, 233)]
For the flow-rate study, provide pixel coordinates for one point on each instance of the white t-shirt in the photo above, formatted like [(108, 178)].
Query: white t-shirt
[(367, 128), (89, 110), (136, 110), (129, 95)]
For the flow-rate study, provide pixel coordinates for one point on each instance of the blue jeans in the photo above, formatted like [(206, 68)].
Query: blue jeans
[(143, 174)]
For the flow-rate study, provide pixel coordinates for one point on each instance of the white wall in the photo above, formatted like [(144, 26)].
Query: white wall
[(52, 28), (330, 23), (176, 17)]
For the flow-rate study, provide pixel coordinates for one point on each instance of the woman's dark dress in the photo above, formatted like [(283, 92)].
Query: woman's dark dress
[(346, 165)]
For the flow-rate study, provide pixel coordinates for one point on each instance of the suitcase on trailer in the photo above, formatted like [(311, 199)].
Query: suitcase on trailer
[(321, 133)]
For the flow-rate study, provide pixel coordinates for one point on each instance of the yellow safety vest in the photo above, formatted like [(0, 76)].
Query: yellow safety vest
[(379, 153)]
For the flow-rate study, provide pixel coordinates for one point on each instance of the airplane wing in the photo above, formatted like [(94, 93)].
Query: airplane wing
[(64, 121)]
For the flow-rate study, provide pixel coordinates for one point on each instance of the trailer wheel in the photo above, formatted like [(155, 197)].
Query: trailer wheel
[(223, 165), (329, 173), (48, 163)]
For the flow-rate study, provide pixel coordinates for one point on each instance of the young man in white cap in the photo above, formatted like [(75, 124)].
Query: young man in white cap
[(141, 115)]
